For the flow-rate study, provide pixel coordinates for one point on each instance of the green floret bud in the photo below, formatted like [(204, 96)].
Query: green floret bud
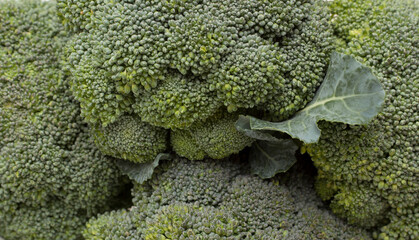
[(111, 225), (131, 139), (184, 144), (404, 224), (77, 15), (243, 79), (215, 137), (187, 221), (177, 102), (359, 205), (325, 188)]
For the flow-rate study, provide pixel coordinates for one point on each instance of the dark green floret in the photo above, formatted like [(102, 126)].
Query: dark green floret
[(220, 200), (216, 138), (52, 178), (131, 139), (371, 173)]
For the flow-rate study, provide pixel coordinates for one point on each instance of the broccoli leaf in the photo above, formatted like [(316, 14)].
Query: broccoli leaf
[(269, 155), (350, 93), (267, 158), (141, 172), (243, 125)]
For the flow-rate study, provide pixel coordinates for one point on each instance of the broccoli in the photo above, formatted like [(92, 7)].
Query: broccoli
[(216, 138), (130, 138), (220, 200), (370, 173), (178, 64), (52, 178), (126, 78)]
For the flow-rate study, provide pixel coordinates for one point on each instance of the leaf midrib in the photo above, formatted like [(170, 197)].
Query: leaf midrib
[(323, 102)]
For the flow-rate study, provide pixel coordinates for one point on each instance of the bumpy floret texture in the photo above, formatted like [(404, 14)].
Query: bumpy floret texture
[(52, 178), (380, 160), (78, 14), (186, 221), (360, 205), (131, 139), (221, 200), (112, 225), (215, 137), (54, 220), (404, 224), (170, 103), (177, 62)]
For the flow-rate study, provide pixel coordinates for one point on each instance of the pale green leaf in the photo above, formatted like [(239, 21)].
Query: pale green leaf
[(141, 172), (243, 125), (269, 158)]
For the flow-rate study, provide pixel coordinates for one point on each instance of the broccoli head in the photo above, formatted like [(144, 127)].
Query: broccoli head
[(370, 173), (52, 178), (220, 200), (176, 64), (180, 61)]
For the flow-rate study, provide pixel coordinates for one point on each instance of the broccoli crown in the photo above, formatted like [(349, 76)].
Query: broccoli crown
[(177, 62), (220, 200), (375, 167), (51, 177), (215, 137), (130, 138)]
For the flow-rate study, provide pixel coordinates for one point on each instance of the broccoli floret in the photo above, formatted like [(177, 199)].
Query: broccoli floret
[(112, 225), (403, 224), (51, 220), (185, 145), (187, 221), (110, 105), (359, 204), (52, 178), (177, 102), (180, 62), (220, 200), (374, 168), (130, 138), (216, 138)]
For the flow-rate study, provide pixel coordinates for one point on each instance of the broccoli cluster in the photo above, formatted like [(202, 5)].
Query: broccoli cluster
[(52, 178), (371, 173), (220, 200), (144, 74), (178, 64)]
